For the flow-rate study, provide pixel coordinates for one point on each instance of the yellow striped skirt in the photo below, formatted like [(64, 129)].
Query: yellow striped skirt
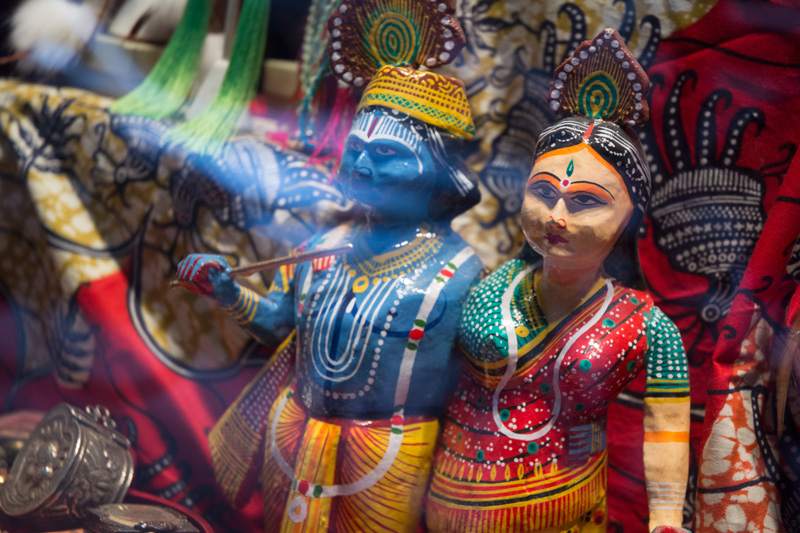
[(570, 499)]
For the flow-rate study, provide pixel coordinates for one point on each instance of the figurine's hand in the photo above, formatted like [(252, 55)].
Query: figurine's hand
[(206, 274), (670, 529)]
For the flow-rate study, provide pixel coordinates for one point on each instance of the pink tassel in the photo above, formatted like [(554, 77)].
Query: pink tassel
[(333, 136)]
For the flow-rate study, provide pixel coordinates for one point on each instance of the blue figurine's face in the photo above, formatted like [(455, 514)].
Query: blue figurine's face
[(387, 168)]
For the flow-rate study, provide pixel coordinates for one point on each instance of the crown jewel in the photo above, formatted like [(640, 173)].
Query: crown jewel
[(601, 80)]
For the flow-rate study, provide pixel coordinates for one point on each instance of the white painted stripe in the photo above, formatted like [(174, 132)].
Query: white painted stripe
[(513, 357), (318, 333)]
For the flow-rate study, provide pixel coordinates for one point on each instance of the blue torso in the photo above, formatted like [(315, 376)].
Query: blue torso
[(354, 320)]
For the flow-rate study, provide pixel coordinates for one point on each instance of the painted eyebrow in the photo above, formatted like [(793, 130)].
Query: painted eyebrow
[(373, 141), (546, 174), (596, 185)]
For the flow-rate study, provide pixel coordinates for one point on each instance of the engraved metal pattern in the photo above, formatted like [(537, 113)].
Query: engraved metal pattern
[(136, 518), (68, 464)]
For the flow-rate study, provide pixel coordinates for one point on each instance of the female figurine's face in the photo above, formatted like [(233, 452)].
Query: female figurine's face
[(386, 167), (575, 208)]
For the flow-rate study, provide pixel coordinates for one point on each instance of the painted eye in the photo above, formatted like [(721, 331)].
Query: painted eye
[(354, 143), (543, 190), (587, 200), (382, 150)]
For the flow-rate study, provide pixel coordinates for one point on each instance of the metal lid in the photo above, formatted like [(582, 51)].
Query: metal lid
[(134, 518), (44, 463), (72, 460)]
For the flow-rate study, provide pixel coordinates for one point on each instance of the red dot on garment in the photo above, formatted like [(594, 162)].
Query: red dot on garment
[(397, 420), (416, 334), (302, 487)]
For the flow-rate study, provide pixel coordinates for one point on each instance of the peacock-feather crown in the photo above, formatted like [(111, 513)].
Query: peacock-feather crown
[(602, 80), (380, 44)]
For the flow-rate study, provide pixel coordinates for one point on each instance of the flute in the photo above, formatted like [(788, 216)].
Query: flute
[(248, 270)]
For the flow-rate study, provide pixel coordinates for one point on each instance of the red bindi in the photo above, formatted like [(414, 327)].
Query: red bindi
[(565, 183)]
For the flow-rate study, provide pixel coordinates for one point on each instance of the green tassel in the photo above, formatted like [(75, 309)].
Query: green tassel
[(165, 89), (207, 132)]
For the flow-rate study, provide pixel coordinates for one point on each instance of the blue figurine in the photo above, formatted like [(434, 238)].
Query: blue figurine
[(350, 439)]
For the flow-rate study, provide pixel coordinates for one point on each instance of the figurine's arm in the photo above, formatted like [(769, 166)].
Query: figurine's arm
[(267, 318), (666, 422)]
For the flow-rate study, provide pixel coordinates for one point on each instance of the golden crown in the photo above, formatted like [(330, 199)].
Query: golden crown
[(432, 98)]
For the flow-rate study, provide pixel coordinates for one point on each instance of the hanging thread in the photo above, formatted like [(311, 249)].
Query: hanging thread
[(207, 133), (166, 87)]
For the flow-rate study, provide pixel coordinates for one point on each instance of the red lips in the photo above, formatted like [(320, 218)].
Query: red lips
[(552, 238)]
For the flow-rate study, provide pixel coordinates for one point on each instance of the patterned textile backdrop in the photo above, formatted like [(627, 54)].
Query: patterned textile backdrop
[(96, 211), (95, 214), (513, 46)]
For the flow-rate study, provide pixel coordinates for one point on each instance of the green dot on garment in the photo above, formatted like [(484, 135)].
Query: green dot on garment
[(585, 365), (607, 322)]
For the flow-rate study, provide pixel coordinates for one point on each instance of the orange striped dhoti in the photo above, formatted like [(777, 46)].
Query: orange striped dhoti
[(341, 451)]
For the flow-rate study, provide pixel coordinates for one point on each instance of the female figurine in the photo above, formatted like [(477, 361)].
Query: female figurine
[(349, 443), (550, 341)]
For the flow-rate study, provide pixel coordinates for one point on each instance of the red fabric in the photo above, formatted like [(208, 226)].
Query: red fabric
[(171, 414), (793, 310), (763, 286), (752, 50)]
